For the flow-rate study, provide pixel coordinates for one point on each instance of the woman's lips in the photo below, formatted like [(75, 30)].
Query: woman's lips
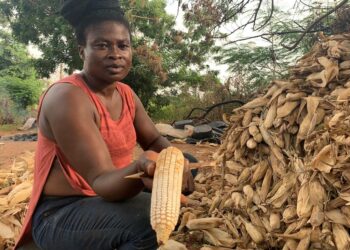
[(115, 69)]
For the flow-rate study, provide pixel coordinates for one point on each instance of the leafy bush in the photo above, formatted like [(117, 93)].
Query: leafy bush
[(22, 92), (16, 96), (180, 104), (6, 107), (19, 87), (176, 109)]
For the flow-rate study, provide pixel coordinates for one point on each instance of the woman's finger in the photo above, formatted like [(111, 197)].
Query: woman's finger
[(148, 182), (146, 166), (150, 168), (188, 182)]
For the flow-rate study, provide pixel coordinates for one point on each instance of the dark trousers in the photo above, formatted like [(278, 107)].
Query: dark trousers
[(74, 223), (91, 223)]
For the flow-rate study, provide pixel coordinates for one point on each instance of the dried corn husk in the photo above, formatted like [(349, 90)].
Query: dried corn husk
[(219, 237), (293, 162), (286, 109), (324, 160), (203, 223), (341, 237), (253, 232), (271, 115), (15, 190)]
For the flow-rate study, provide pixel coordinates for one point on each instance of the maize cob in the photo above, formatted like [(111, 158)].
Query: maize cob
[(166, 193)]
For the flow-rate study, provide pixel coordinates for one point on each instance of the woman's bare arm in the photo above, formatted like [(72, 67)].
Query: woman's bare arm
[(70, 117), (147, 135)]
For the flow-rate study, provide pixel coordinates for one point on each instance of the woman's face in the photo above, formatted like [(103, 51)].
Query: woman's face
[(107, 54)]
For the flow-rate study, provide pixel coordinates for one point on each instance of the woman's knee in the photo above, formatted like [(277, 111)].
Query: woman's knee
[(147, 240), (144, 235)]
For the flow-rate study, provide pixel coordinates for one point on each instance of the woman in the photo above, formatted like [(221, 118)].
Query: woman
[(89, 124)]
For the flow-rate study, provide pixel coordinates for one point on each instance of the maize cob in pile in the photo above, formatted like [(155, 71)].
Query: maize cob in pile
[(291, 189), (166, 192)]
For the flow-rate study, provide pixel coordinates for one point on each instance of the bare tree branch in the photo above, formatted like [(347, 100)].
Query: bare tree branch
[(240, 7), (297, 24), (269, 17), (178, 8), (243, 26), (307, 5), (273, 33), (312, 7), (145, 17), (238, 28), (256, 11), (226, 18), (309, 28), (267, 39)]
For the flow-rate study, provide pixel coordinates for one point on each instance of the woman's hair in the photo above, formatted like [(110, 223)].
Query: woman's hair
[(83, 13)]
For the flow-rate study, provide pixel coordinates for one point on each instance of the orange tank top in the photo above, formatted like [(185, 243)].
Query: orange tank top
[(119, 136)]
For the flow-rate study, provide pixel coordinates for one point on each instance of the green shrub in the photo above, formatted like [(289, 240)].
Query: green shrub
[(16, 98), (6, 107), (180, 103), (23, 92)]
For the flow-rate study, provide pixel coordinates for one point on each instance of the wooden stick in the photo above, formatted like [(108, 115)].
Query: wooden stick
[(134, 176)]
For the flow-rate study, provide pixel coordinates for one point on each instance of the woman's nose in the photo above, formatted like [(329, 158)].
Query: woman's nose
[(114, 52)]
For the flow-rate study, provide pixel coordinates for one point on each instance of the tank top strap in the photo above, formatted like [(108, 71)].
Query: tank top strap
[(78, 80), (128, 96)]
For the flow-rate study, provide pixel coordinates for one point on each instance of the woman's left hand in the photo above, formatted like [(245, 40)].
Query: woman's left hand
[(187, 180)]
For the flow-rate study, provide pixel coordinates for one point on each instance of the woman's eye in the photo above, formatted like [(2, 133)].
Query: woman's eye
[(123, 46), (101, 45)]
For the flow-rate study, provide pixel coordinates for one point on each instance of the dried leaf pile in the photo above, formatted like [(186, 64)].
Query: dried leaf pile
[(285, 176), (15, 190)]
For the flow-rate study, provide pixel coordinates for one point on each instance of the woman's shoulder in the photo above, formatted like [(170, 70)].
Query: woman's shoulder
[(74, 79), (64, 95), (125, 86), (68, 87)]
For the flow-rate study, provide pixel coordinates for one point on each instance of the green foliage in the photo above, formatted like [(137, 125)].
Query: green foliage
[(17, 74), (14, 59), (23, 93), (19, 87), (37, 22), (175, 110), (259, 64), (253, 61), (256, 64), (10, 112), (181, 101), (8, 127), (160, 52), (7, 107)]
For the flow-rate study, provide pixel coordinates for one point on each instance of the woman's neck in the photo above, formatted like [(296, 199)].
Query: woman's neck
[(98, 86)]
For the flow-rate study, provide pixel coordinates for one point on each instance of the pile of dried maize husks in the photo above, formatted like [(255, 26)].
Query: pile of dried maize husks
[(285, 176), (15, 190)]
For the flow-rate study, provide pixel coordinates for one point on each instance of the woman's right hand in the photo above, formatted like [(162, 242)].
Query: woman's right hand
[(147, 164)]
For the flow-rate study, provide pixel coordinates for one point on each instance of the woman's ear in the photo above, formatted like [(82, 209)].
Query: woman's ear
[(81, 52)]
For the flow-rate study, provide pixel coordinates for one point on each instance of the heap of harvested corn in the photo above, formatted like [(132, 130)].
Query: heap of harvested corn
[(15, 190), (285, 176)]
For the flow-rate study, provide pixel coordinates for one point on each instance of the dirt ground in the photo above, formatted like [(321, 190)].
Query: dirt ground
[(9, 150)]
